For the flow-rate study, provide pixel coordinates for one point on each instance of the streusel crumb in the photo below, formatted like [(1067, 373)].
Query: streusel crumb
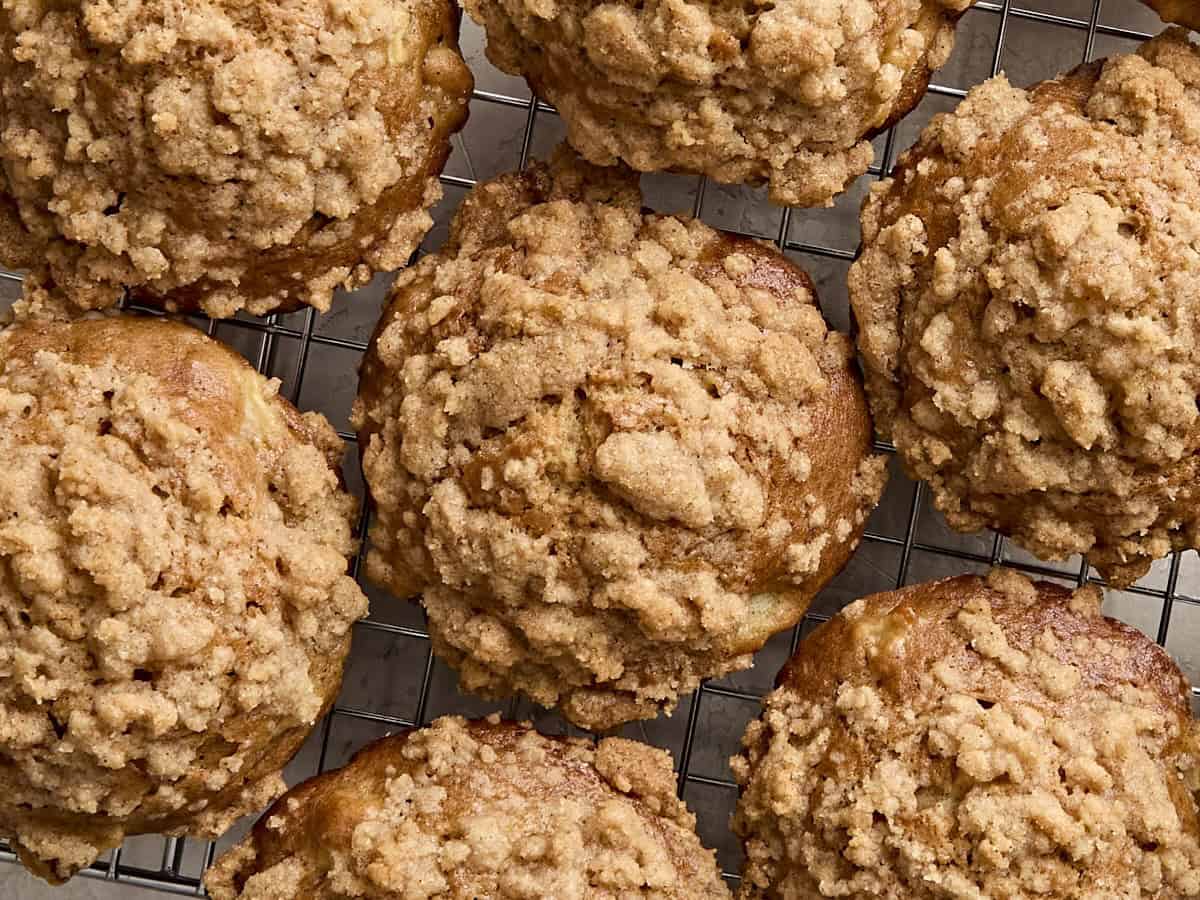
[(973, 738), (614, 451), (1027, 297), (174, 603), (788, 93), (223, 155), (469, 810)]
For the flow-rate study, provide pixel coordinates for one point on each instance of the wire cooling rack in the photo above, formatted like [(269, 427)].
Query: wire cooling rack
[(393, 681)]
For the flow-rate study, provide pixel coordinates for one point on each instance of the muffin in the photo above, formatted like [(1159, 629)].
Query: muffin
[(614, 451), (174, 604), (223, 156), (973, 738), (463, 810), (1026, 297), (786, 93), (1181, 12)]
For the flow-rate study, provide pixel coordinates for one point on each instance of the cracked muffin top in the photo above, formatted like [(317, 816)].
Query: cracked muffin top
[(174, 603), (464, 810), (1027, 298), (615, 451), (223, 155), (973, 738), (788, 93)]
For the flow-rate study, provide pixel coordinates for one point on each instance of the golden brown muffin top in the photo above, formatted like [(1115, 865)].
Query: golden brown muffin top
[(464, 810), (1180, 12), (222, 155), (788, 92), (973, 738), (615, 450), (1028, 295), (174, 603)]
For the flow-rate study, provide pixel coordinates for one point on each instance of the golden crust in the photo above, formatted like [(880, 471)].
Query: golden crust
[(463, 810), (1025, 300), (1177, 12), (174, 603), (233, 156), (787, 93), (616, 451), (973, 738)]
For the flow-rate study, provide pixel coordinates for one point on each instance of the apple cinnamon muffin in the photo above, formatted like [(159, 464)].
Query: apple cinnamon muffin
[(464, 810), (786, 93), (174, 600), (224, 155), (613, 451), (1027, 296), (973, 738)]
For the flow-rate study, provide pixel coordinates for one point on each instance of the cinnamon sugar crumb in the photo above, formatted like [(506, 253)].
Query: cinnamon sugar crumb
[(223, 156), (588, 466), (468, 810), (998, 748), (174, 603), (1025, 300), (788, 93)]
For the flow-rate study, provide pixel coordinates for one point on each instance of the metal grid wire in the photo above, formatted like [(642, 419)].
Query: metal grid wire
[(178, 865)]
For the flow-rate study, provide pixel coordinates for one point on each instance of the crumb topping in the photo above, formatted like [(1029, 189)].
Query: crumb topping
[(787, 93), (971, 739), (614, 451), (1027, 298), (463, 810), (174, 603), (222, 155)]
